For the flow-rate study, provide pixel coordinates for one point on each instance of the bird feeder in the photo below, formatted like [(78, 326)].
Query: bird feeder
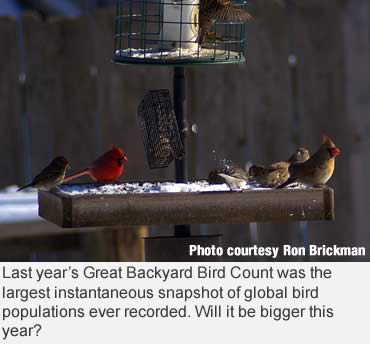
[(166, 32), (161, 136)]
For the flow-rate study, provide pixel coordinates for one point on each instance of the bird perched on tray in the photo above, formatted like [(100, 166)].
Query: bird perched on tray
[(318, 169), (51, 176), (234, 182), (106, 168), (211, 11), (235, 177), (277, 173)]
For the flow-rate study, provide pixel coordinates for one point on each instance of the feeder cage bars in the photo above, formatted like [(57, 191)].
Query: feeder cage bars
[(166, 32)]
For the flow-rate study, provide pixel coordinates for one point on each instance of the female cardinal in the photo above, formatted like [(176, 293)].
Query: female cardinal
[(211, 11), (318, 169), (106, 168), (51, 176), (278, 172)]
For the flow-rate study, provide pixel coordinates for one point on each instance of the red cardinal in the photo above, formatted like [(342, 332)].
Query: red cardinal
[(106, 168)]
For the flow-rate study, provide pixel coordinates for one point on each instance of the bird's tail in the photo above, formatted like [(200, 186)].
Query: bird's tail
[(24, 187), (78, 174)]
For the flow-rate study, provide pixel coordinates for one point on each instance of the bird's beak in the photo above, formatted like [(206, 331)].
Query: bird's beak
[(125, 158), (68, 167), (335, 151)]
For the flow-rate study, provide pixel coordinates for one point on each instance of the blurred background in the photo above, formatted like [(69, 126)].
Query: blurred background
[(307, 72), (48, 8)]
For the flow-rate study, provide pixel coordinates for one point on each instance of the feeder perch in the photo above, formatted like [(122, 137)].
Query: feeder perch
[(97, 210), (166, 32)]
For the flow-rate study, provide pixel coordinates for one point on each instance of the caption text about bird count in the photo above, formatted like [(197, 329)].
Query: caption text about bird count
[(34, 298)]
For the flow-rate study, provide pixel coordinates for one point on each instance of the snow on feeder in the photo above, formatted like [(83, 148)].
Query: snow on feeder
[(180, 32)]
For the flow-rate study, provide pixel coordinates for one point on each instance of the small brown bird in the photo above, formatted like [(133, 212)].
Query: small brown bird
[(211, 11), (318, 169), (234, 182), (277, 173), (227, 168), (51, 176)]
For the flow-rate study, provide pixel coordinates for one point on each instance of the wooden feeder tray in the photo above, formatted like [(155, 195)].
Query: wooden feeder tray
[(269, 205)]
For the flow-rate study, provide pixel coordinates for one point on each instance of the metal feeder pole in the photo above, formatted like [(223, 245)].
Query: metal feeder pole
[(181, 166)]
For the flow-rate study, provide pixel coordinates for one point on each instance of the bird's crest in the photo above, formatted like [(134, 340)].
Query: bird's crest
[(118, 150), (326, 141), (119, 153)]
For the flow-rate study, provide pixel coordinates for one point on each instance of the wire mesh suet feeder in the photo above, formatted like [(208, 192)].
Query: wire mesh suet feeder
[(161, 136), (180, 32)]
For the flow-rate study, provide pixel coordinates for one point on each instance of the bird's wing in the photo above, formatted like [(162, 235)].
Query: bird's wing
[(211, 11), (233, 182), (238, 175), (280, 165), (300, 170), (258, 170), (207, 10), (48, 173), (226, 11)]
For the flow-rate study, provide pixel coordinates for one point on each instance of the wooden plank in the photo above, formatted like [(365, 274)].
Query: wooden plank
[(60, 90), (177, 208), (41, 248), (41, 103), (356, 26), (118, 243), (37, 229), (11, 143), (322, 81), (130, 243), (45, 241)]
